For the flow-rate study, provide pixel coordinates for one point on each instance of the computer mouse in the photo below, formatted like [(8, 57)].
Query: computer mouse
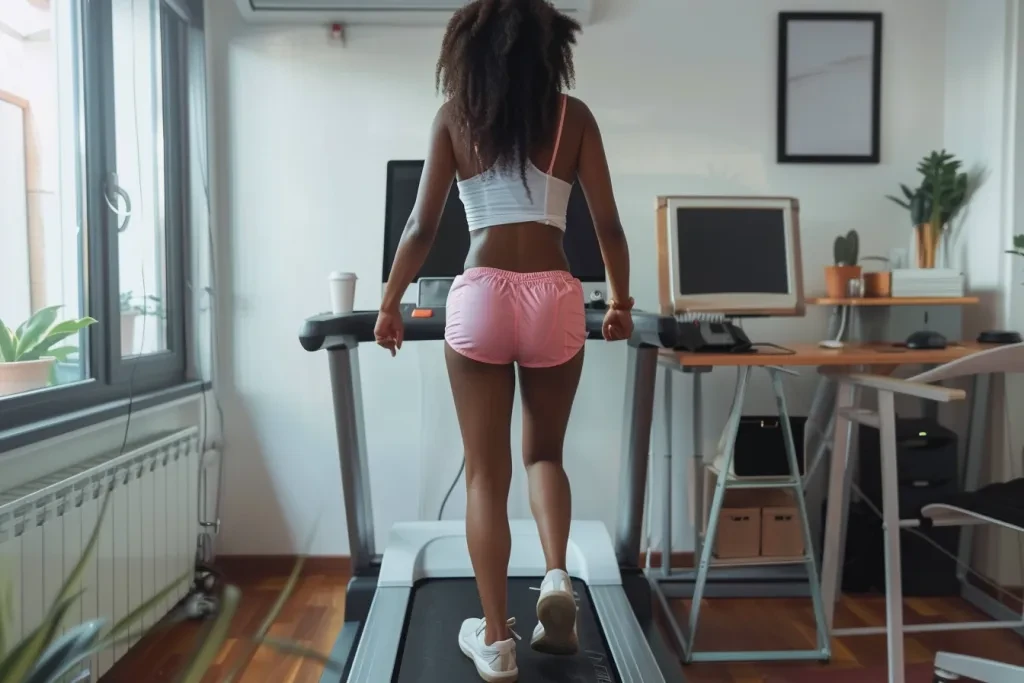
[(926, 339)]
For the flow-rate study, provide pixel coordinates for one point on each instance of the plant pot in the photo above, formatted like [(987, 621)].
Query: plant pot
[(926, 239), (878, 284), (128, 333), (68, 372), (24, 375), (837, 280)]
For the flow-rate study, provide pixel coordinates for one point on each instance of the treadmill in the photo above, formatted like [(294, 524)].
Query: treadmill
[(404, 607)]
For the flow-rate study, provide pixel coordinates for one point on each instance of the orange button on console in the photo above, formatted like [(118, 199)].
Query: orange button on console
[(422, 313)]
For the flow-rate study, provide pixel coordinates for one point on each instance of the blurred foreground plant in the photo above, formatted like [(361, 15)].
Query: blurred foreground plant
[(46, 655)]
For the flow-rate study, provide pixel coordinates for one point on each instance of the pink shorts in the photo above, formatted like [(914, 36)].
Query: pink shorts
[(499, 317)]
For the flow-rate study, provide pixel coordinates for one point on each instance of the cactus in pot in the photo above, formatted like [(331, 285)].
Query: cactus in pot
[(845, 254), (846, 249)]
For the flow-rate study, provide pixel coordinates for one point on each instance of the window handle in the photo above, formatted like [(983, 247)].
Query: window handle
[(113, 187)]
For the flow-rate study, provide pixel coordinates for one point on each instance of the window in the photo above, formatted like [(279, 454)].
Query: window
[(94, 170)]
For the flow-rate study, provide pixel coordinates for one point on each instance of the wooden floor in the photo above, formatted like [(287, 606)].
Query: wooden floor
[(314, 615)]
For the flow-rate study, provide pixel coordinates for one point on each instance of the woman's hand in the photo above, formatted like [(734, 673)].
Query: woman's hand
[(618, 325), (389, 330)]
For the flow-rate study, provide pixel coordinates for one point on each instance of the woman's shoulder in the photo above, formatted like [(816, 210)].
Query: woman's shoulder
[(578, 109)]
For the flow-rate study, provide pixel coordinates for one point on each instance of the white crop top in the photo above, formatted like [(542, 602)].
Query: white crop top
[(499, 198)]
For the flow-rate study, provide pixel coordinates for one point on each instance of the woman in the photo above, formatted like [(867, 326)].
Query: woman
[(516, 143)]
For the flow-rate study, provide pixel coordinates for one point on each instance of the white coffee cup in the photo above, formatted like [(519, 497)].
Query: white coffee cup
[(343, 292)]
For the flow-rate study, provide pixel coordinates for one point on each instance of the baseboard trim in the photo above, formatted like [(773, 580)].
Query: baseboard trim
[(256, 566), (1011, 596), (259, 566), (251, 567), (679, 560)]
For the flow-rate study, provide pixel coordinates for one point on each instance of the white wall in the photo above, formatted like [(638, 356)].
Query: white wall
[(983, 128), (302, 130)]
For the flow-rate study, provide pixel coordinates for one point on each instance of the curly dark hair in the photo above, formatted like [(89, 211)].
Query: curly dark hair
[(503, 66)]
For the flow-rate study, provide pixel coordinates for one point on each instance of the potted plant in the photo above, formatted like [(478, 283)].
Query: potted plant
[(878, 283), (845, 251), (131, 310), (942, 194), (27, 353)]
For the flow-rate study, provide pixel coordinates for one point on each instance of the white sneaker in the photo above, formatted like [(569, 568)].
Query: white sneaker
[(495, 662), (555, 633)]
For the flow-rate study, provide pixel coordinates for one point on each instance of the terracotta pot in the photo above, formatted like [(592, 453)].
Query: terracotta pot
[(927, 237), (878, 284), (24, 375), (837, 280)]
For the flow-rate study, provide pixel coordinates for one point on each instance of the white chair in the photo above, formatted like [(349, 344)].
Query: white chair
[(965, 510)]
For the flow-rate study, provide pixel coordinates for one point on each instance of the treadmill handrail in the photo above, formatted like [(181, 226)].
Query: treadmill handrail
[(329, 331)]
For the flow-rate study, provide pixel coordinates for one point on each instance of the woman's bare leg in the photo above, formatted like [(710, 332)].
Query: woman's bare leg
[(548, 395), (483, 400)]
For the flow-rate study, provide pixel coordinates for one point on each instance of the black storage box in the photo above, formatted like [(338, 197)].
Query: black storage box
[(761, 449), (928, 469)]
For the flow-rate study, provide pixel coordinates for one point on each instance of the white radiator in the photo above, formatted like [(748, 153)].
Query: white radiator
[(147, 540)]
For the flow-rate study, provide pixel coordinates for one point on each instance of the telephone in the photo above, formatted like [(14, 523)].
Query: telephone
[(712, 336)]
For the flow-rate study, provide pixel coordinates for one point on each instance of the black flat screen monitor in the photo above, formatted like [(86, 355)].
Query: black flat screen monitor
[(448, 255)]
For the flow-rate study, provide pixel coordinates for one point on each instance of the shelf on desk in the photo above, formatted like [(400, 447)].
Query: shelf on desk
[(735, 482), (893, 301)]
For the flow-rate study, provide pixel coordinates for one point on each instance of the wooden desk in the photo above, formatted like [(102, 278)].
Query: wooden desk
[(780, 580), (812, 355), (893, 301)]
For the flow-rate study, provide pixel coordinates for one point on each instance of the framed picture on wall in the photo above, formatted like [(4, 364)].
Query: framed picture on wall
[(829, 88)]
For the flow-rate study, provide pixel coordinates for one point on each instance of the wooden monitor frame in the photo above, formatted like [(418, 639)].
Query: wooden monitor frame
[(671, 303)]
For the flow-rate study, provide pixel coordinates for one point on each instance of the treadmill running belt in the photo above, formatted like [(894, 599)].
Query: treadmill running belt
[(430, 653)]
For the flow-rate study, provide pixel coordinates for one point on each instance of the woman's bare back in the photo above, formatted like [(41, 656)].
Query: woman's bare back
[(523, 247)]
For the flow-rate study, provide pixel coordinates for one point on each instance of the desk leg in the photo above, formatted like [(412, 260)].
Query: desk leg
[(725, 458), (838, 476), (891, 534), (666, 501), (801, 504), (974, 456), (697, 470)]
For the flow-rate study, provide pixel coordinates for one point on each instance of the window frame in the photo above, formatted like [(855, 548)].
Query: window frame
[(110, 379)]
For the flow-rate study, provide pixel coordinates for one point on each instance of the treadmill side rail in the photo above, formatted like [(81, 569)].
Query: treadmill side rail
[(346, 389), (627, 643), (376, 657)]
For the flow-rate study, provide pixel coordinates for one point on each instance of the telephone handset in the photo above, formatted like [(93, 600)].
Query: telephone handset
[(718, 336)]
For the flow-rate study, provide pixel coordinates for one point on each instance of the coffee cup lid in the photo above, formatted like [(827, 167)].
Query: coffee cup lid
[(338, 275)]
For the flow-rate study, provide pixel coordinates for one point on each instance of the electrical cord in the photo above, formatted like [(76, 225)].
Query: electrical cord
[(126, 215), (210, 524), (784, 351), (462, 468), (763, 345)]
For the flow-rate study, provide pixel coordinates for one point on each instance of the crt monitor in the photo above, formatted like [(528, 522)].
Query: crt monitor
[(735, 256), (448, 255)]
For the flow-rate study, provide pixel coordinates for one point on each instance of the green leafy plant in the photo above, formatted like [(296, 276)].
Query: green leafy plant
[(943, 191), (37, 337), (45, 656), (846, 249), (1018, 246), (150, 305)]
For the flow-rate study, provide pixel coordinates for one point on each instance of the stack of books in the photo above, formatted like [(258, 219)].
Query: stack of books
[(927, 282)]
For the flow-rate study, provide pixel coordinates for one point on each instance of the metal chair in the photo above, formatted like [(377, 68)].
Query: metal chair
[(1003, 359)]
